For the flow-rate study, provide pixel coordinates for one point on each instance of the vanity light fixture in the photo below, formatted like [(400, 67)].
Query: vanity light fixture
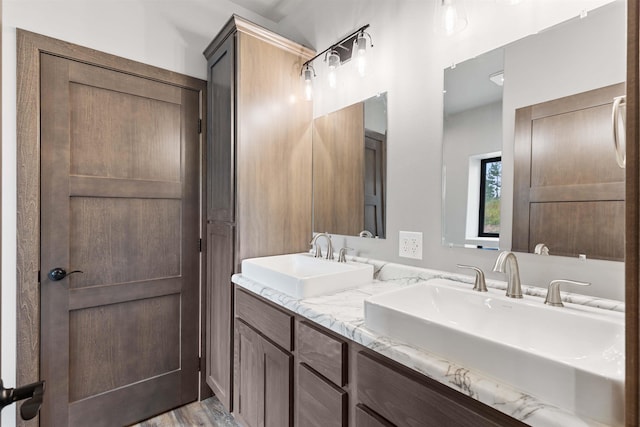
[(450, 16), (333, 61), (308, 72), (352, 46), (360, 49)]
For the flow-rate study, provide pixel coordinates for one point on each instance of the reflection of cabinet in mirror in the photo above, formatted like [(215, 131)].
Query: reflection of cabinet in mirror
[(349, 169), (568, 188), (338, 158)]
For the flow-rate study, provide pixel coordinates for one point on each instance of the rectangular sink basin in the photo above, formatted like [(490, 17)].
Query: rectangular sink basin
[(303, 276), (571, 357)]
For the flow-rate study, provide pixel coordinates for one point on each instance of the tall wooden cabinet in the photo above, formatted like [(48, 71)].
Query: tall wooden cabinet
[(258, 171)]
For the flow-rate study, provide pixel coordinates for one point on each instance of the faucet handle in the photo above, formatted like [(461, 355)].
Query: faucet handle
[(479, 285), (342, 253), (553, 294)]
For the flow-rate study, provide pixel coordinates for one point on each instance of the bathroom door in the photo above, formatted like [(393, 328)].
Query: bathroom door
[(119, 202)]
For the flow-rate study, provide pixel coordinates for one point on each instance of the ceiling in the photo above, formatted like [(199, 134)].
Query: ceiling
[(274, 10)]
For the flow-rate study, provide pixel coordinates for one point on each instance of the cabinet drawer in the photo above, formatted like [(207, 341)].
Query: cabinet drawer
[(406, 398), (273, 323), (365, 417), (319, 403), (324, 353)]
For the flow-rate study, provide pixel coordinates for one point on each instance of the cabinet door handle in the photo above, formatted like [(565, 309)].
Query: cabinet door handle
[(618, 116)]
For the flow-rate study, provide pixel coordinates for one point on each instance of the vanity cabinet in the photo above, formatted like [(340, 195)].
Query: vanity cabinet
[(256, 118), (392, 395), (263, 374), (299, 370), (321, 400)]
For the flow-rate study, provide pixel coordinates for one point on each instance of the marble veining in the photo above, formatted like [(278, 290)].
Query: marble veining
[(343, 313)]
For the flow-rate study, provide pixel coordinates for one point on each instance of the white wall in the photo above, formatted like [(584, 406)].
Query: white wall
[(468, 133), (408, 61)]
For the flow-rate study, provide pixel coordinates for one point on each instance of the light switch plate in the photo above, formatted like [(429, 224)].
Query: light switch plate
[(410, 244)]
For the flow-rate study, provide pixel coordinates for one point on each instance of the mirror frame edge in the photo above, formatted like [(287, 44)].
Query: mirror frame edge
[(632, 206)]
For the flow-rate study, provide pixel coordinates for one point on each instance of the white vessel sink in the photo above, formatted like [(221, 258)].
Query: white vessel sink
[(303, 276), (571, 357)]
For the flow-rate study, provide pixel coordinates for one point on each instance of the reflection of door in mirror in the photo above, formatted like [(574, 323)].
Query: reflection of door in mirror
[(374, 151), (568, 188), (338, 157)]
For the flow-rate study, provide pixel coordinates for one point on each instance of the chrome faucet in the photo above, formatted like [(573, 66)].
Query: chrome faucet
[(318, 251), (507, 261)]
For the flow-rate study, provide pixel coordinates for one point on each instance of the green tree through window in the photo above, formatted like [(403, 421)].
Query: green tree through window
[(490, 190)]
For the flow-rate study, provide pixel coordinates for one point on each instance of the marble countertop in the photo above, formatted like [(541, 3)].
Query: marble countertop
[(343, 313)]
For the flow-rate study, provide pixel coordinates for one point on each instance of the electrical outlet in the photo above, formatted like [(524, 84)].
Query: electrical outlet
[(410, 244)]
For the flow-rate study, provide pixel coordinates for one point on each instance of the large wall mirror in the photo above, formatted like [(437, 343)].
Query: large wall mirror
[(349, 169), (529, 162)]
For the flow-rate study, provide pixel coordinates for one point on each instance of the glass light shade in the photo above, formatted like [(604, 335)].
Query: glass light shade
[(361, 54), (450, 16), (333, 61), (308, 83)]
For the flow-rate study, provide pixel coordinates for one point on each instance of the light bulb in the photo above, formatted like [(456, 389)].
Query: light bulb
[(362, 52), (308, 83), (334, 61)]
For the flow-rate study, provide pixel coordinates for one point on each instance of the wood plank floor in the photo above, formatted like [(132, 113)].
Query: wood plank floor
[(209, 412)]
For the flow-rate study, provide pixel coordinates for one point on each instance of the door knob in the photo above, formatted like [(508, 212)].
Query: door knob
[(60, 273)]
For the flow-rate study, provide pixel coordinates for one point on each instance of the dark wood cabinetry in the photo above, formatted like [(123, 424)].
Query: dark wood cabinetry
[(219, 319), (406, 398), (320, 403), (263, 380), (263, 364), (256, 118), (298, 369)]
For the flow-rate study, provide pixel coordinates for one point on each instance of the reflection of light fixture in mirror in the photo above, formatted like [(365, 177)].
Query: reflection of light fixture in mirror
[(333, 60), (308, 73), (450, 16), (497, 78)]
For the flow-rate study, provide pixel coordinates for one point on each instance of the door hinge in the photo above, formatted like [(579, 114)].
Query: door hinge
[(200, 367), (38, 276), (200, 245), (199, 126)]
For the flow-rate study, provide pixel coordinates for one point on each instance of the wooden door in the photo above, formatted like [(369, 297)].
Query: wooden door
[(119, 198), (374, 182)]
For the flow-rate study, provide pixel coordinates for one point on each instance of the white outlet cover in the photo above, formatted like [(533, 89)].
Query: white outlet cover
[(410, 244)]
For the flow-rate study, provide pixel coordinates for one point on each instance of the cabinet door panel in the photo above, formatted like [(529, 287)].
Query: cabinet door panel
[(320, 403), (219, 316), (278, 380), (263, 378), (220, 134), (249, 376)]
